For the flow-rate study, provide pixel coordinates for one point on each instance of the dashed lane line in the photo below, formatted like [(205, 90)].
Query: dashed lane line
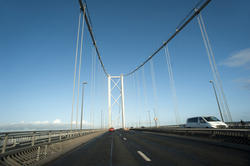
[(143, 156)]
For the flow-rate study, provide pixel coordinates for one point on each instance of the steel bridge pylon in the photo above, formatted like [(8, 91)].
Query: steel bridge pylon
[(116, 80)]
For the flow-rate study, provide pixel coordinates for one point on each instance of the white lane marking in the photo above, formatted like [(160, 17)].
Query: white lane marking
[(124, 138), (143, 156)]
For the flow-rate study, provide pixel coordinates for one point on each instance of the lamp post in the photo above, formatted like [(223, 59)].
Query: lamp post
[(101, 120), (217, 100), (149, 118), (155, 119), (82, 103)]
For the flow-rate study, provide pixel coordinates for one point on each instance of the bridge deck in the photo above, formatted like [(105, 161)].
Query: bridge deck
[(146, 148)]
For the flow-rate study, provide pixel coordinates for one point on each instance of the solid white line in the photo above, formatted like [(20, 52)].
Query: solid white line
[(143, 156)]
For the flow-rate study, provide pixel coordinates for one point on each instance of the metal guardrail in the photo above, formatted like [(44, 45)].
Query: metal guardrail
[(239, 125), (12, 141), (241, 136)]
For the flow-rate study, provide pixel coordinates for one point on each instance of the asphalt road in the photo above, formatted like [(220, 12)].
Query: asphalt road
[(134, 148)]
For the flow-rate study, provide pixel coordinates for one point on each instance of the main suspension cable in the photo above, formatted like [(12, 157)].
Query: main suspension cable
[(178, 29), (83, 8), (189, 13)]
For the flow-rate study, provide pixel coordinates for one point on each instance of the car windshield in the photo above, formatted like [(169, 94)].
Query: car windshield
[(211, 119)]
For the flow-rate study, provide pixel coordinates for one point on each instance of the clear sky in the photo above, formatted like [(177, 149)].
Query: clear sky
[(38, 43)]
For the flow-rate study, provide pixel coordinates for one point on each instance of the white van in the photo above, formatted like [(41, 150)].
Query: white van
[(205, 122)]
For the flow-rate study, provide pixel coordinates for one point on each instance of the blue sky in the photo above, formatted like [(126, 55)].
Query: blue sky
[(37, 49)]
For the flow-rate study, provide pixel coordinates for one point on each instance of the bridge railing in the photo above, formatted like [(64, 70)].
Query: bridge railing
[(17, 140), (235, 135), (239, 125)]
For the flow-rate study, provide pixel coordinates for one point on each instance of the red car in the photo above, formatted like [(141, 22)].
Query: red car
[(111, 129)]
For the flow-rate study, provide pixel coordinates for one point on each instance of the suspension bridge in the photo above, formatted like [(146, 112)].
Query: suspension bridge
[(113, 81), (140, 141)]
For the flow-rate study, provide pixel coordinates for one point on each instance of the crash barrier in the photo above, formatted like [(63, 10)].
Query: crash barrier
[(240, 136), (29, 147), (17, 140), (239, 125)]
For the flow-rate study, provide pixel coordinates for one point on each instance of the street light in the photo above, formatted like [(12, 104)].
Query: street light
[(101, 119), (155, 119), (217, 100), (149, 118), (82, 103)]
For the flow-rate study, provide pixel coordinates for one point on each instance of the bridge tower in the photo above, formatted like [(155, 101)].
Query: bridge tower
[(116, 80)]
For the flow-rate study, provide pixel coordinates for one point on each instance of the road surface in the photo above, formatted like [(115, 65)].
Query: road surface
[(138, 148)]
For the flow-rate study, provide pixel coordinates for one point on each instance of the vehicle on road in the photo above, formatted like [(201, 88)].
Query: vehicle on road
[(126, 129), (111, 129), (205, 122)]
